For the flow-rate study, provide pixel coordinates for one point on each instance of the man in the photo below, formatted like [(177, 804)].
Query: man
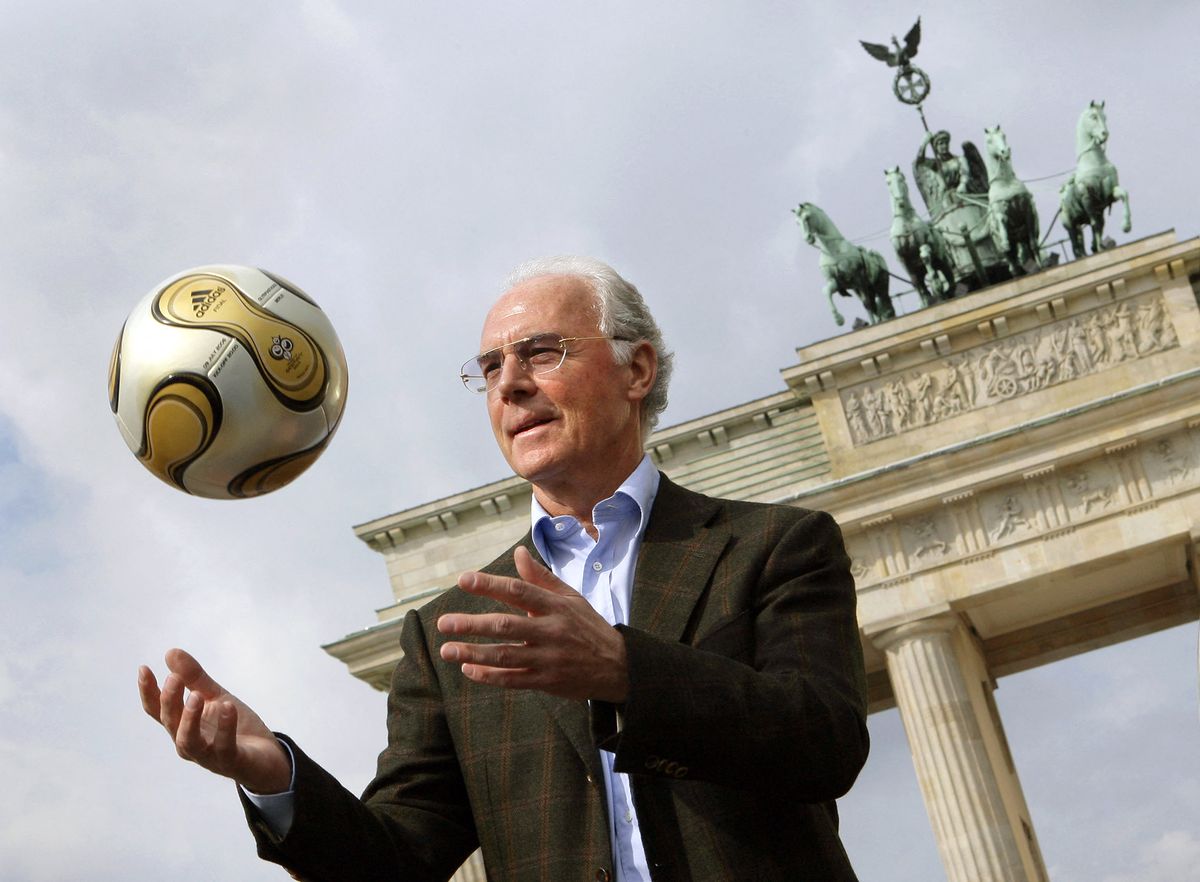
[(651, 685)]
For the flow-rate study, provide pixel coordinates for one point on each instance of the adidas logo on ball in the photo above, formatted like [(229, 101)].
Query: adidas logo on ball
[(202, 300)]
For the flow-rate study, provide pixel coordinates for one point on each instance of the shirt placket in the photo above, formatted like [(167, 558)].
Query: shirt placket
[(598, 576)]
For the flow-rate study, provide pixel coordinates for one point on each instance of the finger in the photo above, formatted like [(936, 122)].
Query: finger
[(534, 571), (170, 703), (189, 743), (499, 626), (508, 678), (516, 593), (192, 674), (148, 692), (509, 656)]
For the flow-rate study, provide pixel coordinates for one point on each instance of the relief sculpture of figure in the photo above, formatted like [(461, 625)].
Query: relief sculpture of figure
[(1080, 484), (929, 540), (1154, 330), (1012, 515), (854, 416)]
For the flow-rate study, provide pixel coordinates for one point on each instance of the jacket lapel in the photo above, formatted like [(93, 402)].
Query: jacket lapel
[(679, 552)]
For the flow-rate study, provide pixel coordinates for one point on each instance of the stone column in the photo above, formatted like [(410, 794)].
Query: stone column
[(971, 790)]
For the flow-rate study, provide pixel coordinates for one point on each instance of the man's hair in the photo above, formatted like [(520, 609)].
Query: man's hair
[(623, 313)]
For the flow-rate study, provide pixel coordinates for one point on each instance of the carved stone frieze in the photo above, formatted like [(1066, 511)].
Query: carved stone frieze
[(1010, 512), (1090, 488), (928, 537), (1045, 504), (1169, 461), (1005, 369)]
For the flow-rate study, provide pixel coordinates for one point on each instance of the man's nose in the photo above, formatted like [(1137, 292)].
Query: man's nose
[(515, 377)]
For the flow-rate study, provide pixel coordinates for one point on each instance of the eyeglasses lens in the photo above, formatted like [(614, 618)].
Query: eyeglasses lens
[(538, 355)]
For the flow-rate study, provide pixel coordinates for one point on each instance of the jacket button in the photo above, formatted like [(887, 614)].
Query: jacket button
[(602, 875)]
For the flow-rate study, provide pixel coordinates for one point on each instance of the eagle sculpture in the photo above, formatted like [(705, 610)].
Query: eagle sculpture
[(897, 56)]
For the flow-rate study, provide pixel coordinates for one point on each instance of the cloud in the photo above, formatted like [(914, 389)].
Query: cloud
[(1173, 857)]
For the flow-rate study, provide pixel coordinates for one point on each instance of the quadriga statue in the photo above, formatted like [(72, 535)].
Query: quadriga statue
[(847, 268), (1092, 188), (1012, 214), (954, 189), (919, 245)]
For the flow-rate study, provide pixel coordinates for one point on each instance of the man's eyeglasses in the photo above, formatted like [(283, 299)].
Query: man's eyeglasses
[(539, 354)]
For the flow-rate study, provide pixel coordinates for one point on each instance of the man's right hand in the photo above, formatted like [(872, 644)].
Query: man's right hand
[(212, 728)]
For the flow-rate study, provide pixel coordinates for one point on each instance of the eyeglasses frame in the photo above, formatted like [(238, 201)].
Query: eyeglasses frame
[(562, 342)]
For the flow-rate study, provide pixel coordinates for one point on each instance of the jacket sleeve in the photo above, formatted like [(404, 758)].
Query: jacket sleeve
[(770, 696), (414, 820)]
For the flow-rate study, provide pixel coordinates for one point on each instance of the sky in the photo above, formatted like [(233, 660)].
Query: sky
[(396, 160)]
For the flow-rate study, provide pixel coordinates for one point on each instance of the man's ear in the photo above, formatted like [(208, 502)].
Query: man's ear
[(643, 368)]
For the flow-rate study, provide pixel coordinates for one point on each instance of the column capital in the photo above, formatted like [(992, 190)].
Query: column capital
[(939, 620)]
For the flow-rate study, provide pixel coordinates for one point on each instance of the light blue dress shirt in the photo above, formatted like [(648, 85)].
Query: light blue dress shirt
[(602, 571)]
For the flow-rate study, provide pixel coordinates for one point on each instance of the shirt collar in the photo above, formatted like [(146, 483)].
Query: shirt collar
[(640, 487)]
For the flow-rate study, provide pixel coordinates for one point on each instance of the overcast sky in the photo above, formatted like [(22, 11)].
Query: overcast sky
[(396, 159)]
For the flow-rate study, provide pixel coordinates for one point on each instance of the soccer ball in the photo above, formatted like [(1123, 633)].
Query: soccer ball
[(227, 381)]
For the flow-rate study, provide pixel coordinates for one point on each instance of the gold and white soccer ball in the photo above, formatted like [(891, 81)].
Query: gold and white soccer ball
[(227, 381)]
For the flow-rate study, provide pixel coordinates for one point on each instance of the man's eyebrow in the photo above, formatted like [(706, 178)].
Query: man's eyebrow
[(524, 339)]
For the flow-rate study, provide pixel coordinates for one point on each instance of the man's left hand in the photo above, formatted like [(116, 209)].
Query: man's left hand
[(560, 645)]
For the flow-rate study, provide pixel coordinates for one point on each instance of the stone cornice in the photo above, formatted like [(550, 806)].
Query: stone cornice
[(370, 654)]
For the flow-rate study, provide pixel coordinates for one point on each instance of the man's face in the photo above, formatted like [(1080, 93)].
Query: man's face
[(576, 424)]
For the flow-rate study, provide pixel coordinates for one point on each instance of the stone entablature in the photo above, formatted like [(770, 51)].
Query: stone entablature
[(1044, 503), (994, 541)]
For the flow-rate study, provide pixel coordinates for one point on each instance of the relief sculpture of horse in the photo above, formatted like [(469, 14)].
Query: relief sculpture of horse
[(846, 267), (1012, 214), (1093, 188), (931, 270)]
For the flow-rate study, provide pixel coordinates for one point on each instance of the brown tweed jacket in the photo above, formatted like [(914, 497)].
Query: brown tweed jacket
[(746, 719)]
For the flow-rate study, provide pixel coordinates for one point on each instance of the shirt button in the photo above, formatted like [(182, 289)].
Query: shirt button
[(602, 875), (560, 527), (597, 566)]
